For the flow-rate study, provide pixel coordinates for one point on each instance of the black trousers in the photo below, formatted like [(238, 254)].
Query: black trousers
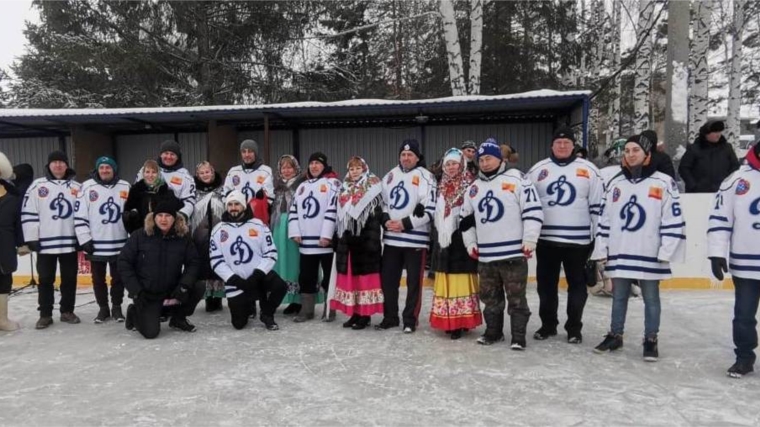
[(148, 311), (6, 283), (46, 268), (269, 292), (395, 260), (549, 260), (308, 278), (100, 287)]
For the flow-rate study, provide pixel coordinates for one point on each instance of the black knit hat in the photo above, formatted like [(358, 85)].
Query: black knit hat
[(166, 206), (171, 146), (319, 157), (564, 132), (410, 145), (58, 156), (642, 141)]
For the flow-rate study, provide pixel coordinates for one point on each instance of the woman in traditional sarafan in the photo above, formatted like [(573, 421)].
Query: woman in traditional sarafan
[(456, 306), (358, 291)]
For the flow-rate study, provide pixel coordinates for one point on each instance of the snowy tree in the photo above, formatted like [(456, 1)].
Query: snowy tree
[(698, 78), (476, 44), (733, 130), (453, 50), (641, 90)]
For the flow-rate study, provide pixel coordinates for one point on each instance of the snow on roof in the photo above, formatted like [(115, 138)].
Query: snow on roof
[(542, 93)]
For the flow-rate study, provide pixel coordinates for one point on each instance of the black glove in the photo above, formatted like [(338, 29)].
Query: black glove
[(260, 194), (419, 210), (182, 294), (88, 247), (719, 266), (33, 246), (256, 279), (237, 282)]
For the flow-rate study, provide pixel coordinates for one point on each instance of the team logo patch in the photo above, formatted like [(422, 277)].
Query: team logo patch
[(543, 174), (415, 180), (742, 187), (124, 194), (615, 194), (390, 178), (43, 192), (252, 232), (74, 192), (655, 193), (223, 236), (508, 186), (235, 180), (176, 180), (260, 180), (583, 173), (93, 196), (323, 188), (473, 191)]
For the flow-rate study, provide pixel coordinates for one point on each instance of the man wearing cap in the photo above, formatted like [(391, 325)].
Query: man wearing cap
[(570, 189), (47, 217), (311, 224), (252, 177), (708, 161), (501, 221), (409, 196), (159, 267), (101, 234), (470, 149), (243, 255), (176, 176)]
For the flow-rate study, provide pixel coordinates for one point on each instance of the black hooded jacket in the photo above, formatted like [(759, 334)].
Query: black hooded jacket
[(705, 164), (141, 201), (11, 236)]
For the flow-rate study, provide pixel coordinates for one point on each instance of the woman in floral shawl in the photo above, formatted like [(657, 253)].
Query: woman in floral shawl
[(456, 306), (286, 180), (358, 292)]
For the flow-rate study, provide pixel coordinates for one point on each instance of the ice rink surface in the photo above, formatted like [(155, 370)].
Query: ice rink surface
[(322, 374)]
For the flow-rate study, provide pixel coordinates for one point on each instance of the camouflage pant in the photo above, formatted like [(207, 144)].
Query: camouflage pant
[(496, 278)]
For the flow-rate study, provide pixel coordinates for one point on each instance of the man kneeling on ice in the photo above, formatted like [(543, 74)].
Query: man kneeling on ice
[(243, 255), (158, 266)]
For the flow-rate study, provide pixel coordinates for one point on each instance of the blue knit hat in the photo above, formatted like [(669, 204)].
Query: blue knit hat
[(489, 148), (105, 160)]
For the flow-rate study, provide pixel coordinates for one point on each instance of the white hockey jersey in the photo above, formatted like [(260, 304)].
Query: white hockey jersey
[(239, 249), (182, 185), (641, 230), (312, 214), (47, 215), (734, 223), (98, 216), (402, 192), (249, 181), (571, 197), (507, 212), (610, 172)]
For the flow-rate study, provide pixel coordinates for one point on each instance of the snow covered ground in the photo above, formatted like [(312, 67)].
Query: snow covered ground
[(322, 374)]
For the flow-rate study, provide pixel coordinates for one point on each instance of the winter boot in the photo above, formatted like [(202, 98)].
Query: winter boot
[(131, 313), (307, 308), (70, 318), (103, 314), (269, 323), (544, 333), (5, 324), (254, 310), (517, 344), (494, 328), (611, 342), (740, 369), (181, 323), (362, 323), (44, 322), (388, 324), (456, 334), (293, 308), (351, 321), (329, 316), (650, 349), (213, 304), (116, 314)]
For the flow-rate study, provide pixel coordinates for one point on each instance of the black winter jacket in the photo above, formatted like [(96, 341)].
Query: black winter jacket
[(152, 265), (705, 165), (365, 249), (141, 202), (663, 163), (10, 229), (453, 259)]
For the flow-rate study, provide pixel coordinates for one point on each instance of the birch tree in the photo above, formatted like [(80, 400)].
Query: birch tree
[(642, 78), (698, 78), (676, 111), (476, 44), (453, 50), (614, 107), (733, 130)]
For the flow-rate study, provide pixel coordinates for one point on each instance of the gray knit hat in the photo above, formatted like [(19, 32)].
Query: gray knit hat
[(249, 144)]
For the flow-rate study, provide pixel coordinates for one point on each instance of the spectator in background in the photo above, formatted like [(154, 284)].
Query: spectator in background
[(660, 159), (470, 149), (708, 161), (580, 152)]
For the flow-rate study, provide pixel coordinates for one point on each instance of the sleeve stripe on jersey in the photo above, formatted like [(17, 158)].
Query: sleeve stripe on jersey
[(719, 218), (530, 218), (744, 256), (677, 236), (499, 244), (566, 227), (216, 257), (729, 229), (535, 208), (743, 267), (216, 264), (682, 224)]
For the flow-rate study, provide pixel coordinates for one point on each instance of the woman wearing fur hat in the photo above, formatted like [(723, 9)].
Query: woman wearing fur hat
[(207, 213), (287, 178), (145, 195), (358, 253), (456, 306), (10, 239)]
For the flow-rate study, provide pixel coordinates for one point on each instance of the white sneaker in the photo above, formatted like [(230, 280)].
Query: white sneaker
[(408, 330)]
